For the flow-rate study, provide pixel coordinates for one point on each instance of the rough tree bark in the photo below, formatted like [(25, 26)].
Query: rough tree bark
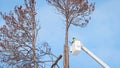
[(66, 49), (33, 33)]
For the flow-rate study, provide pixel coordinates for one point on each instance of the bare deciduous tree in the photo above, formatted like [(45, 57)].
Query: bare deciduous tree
[(18, 38), (19, 34), (76, 12)]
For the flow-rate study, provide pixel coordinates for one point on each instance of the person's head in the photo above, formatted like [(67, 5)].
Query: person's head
[(74, 38)]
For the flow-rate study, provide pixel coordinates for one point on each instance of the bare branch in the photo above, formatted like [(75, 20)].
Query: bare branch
[(55, 63)]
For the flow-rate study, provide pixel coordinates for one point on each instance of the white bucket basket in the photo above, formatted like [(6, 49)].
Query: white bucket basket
[(75, 47)]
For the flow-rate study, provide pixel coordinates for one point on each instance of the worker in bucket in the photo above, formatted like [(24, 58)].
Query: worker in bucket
[(73, 39)]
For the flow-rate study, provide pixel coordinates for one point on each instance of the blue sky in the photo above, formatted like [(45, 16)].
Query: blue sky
[(101, 35)]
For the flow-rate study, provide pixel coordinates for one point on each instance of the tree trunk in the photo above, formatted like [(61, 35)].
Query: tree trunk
[(33, 45), (34, 51), (34, 33), (66, 50)]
